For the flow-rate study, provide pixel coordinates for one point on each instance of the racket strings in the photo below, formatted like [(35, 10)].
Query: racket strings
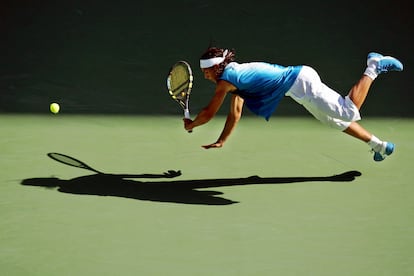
[(179, 82), (66, 160)]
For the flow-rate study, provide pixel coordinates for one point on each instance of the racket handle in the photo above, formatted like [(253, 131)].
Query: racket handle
[(187, 116)]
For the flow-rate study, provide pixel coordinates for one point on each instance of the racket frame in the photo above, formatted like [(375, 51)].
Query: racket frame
[(184, 104)]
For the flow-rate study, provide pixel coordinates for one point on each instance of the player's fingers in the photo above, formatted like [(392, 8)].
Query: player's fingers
[(187, 122), (214, 145)]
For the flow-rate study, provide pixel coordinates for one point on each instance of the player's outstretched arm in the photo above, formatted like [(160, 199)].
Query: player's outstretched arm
[(207, 112)]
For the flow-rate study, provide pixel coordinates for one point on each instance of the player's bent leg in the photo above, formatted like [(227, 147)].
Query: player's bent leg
[(359, 91), (376, 64)]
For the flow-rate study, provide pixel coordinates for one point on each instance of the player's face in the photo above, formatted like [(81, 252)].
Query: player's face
[(210, 74)]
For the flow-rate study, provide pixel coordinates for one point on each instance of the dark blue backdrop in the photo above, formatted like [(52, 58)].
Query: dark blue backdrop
[(112, 56)]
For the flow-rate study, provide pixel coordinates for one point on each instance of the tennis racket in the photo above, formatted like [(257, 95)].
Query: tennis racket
[(179, 84), (67, 160)]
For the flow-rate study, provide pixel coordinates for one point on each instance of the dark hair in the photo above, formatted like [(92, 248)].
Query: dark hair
[(213, 52)]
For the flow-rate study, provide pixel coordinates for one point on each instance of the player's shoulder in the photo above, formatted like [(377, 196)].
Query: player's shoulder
[(235, 67), (250, 65), (232, 65)]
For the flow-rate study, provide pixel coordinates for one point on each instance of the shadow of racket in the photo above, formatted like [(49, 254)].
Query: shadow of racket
[(68, 160)]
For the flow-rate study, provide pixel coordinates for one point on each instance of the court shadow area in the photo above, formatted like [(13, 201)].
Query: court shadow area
[(172, 191)]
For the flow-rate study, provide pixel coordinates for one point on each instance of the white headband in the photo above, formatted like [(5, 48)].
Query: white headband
[(206, 63)]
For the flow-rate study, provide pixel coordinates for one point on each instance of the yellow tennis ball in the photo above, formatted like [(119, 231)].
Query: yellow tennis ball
[(54, 108)]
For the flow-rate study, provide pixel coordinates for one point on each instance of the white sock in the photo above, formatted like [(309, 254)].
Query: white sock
[(371, 72), (375, 143)]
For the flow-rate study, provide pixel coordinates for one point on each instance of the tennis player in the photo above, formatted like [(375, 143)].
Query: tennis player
[(260, 86)]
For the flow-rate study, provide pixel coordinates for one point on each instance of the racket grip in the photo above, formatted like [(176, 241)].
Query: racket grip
[(187, 116)]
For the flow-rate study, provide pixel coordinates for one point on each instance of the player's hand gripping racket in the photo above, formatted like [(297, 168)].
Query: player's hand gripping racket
[(179, 84)]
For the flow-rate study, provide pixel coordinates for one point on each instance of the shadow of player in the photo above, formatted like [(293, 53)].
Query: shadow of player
[(175, 191)]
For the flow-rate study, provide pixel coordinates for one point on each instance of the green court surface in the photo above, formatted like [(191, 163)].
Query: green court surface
[(284, 197)]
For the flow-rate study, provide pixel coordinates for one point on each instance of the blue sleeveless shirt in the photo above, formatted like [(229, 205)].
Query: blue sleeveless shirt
[(261, 85)]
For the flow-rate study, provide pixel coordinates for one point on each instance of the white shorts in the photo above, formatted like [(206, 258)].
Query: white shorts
[(322, 102)]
